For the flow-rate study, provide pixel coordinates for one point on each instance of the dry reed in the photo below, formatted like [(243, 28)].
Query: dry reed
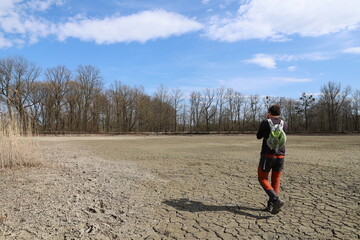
[(17, 147)]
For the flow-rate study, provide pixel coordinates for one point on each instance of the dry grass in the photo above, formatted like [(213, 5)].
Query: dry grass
[(18, 148)]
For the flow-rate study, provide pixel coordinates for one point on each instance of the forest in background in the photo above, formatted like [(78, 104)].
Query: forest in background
[(58, 100)]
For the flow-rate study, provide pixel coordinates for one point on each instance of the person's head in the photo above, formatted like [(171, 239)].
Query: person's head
[(274, 110)]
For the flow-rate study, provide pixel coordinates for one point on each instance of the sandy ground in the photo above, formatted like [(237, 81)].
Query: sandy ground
[(181, 187)]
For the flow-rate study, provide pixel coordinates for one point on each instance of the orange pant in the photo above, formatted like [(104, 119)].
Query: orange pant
[(275, 180)]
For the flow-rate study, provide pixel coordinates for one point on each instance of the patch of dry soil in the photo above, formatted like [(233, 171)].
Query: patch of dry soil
[(181, 187)]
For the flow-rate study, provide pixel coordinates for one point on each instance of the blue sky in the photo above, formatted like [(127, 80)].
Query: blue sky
[(272, 47)]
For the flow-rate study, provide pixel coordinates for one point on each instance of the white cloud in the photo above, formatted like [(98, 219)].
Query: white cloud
[(263, 60), (20, 24), (317, 56), (139, 27), (292, 68), (353, 50), (291, 80), (277, 20), (205, 1), (7, 6), (42, 5), (28, 27), (4, 42), (270, 61)]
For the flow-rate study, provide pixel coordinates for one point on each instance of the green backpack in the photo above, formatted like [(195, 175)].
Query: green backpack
[(277, 136)]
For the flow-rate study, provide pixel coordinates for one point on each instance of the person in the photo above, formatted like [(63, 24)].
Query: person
[(271, 160)]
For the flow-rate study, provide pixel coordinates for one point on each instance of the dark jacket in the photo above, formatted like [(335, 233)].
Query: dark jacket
[(264, 131)]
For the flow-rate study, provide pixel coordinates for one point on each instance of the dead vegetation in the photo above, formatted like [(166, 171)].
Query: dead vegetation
[(17, 144)]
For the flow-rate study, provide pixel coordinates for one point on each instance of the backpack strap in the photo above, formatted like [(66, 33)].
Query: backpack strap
[(271, 124), (281, 125)]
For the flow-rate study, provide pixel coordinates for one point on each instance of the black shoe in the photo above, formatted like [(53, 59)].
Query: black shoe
[(277, 205), (269, 207)]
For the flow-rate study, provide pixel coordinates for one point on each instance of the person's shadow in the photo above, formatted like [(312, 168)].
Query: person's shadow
[(184, 204)]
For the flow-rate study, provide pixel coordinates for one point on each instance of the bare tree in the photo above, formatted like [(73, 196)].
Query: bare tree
[(103, 110), (220, 106), (306, 101), (290, 114), (144, 113), (17, 78), (184, 117), (267, 102), (334, 99), (229, 109), (254, 101), (37, 109), (116, 100), (235, 101), (177, 97), (73, 106), (345, 116), (90, 82), (82, 104), (98, 113), (208, 109), (129, 96), (356, 109), (57, 79), (6, 82), (161, 108), (195, 110)]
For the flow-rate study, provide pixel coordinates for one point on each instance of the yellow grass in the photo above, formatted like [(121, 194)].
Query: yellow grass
[(17, 148)]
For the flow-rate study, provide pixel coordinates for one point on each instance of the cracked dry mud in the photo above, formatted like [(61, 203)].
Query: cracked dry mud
[(181, 187)]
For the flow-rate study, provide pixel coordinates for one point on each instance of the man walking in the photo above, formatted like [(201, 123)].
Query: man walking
[(271, 159)]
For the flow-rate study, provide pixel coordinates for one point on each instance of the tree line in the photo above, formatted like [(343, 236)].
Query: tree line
[(58, 100)]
